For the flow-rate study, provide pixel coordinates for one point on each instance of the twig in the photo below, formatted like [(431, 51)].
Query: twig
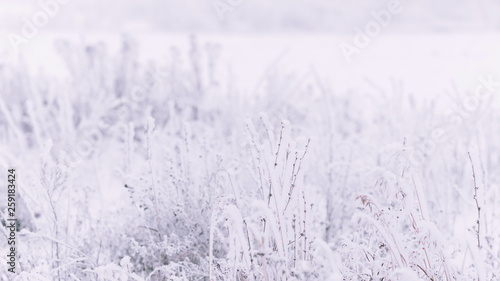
[(425, 272), (305, 217), (149, 130), (477, 203), (418, 198), (279, 144), (294, 174)]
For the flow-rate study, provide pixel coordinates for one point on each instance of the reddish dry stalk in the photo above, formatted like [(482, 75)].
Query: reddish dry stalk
[(418, 198), (427, 262), (427, 256), (444, 265), (477, 203), (425, 272)]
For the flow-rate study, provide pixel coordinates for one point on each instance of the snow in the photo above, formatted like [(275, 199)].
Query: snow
[(257, 150)]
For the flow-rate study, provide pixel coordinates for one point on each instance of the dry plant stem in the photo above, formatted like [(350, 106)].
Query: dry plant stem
[(294, 175), (10, 120), (56, 228), (234, 266), (150, 164), (258, 164), (305, 217), (279, 144), (418, 198), (445, 268), (276, 162), (477, 203), (248, 241), (280, 228), (425, 272), (427, 257), (294, 241), (426, 262), (287, 154), (485, 183), (211, 248), (292, 183)]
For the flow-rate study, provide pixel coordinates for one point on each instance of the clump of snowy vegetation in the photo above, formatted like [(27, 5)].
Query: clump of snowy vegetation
[(161, 171)]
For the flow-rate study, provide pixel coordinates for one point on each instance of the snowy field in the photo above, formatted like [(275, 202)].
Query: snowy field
[(230, 153)]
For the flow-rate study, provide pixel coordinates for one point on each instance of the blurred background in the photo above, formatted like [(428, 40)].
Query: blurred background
[(459, 38), (256, 16)]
